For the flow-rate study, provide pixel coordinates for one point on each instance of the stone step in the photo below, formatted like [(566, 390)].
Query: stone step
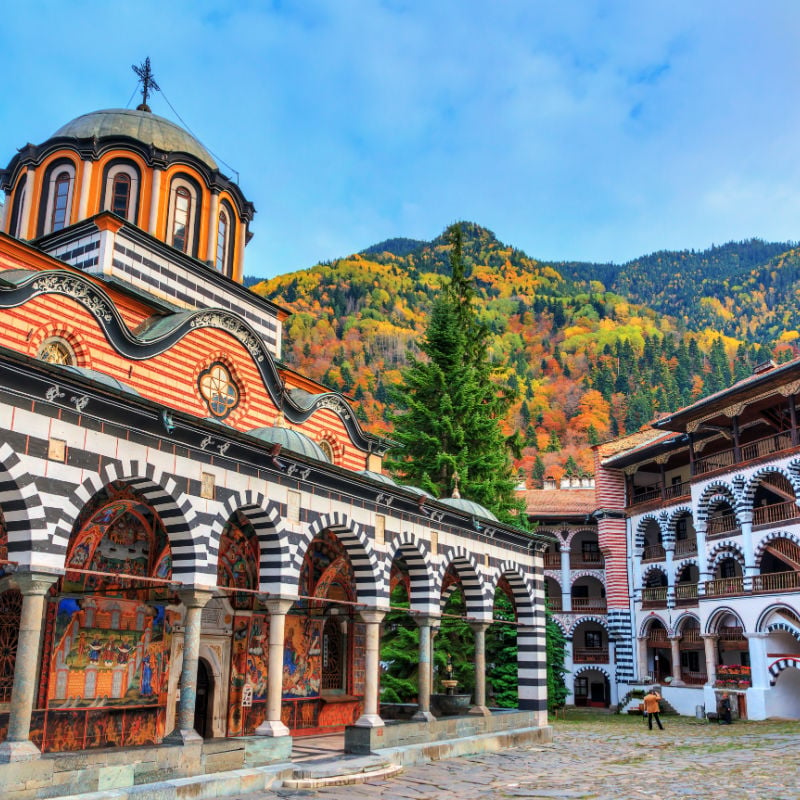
[(340, 771)]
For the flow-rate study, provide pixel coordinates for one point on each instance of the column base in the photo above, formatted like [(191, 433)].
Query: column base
[(183, 737), (423, 716), (480, 711), (369, 721), (11, 752), (272, 728)]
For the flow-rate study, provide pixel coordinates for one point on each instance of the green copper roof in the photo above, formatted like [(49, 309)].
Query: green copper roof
[(290, 440), (469, 506), (142, 125)]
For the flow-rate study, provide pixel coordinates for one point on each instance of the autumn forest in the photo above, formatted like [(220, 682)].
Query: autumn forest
[(591, 350)]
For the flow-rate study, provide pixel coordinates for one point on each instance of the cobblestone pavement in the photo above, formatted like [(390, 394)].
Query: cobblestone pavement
[(611, 758)]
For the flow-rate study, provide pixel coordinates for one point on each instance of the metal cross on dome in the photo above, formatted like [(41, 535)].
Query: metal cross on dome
[(148, 81)]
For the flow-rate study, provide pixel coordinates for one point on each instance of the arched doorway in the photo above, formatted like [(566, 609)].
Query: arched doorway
[(204, 702)]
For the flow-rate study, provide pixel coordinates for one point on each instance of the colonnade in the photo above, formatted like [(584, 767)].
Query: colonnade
[(34, 587)]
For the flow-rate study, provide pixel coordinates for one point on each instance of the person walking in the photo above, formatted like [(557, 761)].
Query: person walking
[(652, 708), (725, 707)]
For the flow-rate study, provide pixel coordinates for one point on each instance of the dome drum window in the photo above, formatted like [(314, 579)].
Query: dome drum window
[(182, 223), (121, 189), (59, 185)]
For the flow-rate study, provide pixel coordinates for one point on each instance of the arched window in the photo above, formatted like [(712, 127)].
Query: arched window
[(121, 189), (57, 194), (15, 223), (183, 219), (222, 241), (61, 193), (121, 194), (180, 218), (56, 350)]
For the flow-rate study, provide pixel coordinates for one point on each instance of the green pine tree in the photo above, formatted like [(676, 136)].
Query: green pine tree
[(450, 405)]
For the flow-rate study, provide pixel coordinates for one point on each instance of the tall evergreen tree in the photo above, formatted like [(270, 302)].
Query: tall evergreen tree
[(450, 406)]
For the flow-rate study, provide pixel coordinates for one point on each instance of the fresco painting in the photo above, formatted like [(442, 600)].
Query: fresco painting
[(249, 663)]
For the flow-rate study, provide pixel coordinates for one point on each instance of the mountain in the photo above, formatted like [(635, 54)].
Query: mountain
[(593, 350), (748, 290)]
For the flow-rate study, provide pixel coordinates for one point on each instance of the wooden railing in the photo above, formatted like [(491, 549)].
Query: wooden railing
[(552, 560), (747, 452), (554, 603), (720, 460), (725, 587), (786, 548), (691, 635), (586, 561), (645, 495), (677, 490), (777, 512), (686, 547), (589, 604), (654, 596), (694, 678), (722, 525), (590, 655), (776, 582), (685, 593), (766, 446), (657, 637), (654, 552)]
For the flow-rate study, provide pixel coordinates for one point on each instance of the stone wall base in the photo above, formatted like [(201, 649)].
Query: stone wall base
[(86, 771), (414, 742)]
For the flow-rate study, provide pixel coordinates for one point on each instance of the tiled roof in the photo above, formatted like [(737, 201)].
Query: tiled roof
[(559, 502), (634, 441)]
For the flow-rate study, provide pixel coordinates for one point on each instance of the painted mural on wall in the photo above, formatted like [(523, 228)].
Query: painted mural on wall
[(249, 661), (109, 632)]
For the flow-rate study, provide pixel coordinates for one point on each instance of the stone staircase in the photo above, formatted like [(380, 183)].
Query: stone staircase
[(340, 771)]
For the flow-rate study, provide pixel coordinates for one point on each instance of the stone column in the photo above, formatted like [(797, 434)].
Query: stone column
[(641, 657), (710, 641), (371, 718), (155, 196), (195, 600), (86, 179), (759, 674), (27, 206), (272, 725), (424, 675), (213, 220), (479, 629), (747, 550), (702, 561), (566, 588), (675, 645), (34, 588)]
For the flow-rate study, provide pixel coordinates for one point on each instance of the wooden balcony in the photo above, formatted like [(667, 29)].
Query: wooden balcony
[(766, 446), (686, 547), (725, 587), (776, 582), (590, 604), (686, 594), (552, 560), (590, 655), (654, 597), (723, 525), (777, 512), (654, 552), (760, 448), (554, 603)]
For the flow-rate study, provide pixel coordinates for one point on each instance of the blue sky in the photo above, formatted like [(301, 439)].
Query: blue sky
[(575, 130)]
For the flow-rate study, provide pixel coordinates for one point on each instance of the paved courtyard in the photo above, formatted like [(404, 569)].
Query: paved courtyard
[(608, 758)]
